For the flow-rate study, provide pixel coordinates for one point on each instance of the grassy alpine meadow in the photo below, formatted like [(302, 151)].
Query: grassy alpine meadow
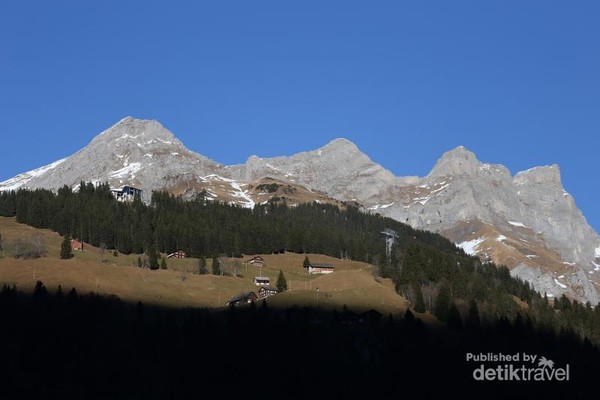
[(96, 270)]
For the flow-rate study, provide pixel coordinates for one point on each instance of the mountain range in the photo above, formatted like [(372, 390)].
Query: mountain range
[(527, 222)]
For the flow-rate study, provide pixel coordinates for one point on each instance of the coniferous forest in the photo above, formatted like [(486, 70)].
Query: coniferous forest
[(206, 228), (481, 305)]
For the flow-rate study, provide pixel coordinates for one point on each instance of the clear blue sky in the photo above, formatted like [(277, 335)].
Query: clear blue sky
[(516, 82)]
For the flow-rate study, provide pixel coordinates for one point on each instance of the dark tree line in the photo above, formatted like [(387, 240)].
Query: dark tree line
[(206, 228), (463, 290), (62, 344)]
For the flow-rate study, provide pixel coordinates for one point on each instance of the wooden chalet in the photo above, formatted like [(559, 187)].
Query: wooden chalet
[(314, 268), (76, 245), (257, 261), (262, 281), (266, 291), (243, 298), (178, 254)]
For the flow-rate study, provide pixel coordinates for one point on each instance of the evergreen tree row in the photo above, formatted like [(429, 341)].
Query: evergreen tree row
[(206, 228)]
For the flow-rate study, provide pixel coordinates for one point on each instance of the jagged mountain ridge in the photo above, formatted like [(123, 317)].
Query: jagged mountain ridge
[(467, 201), (142, 153), (526, 221)]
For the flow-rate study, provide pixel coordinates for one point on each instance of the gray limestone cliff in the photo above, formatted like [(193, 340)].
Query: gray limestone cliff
[(531, 207)]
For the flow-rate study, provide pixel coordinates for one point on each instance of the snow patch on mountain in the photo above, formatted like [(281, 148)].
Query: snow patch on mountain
[(247, 201), (127, 136), (235, 191), (156, 140), (381, 207), (22, 179), (519, 224), (420, 200), (128, 171), (470, 246), (443, 187), (562, 285)]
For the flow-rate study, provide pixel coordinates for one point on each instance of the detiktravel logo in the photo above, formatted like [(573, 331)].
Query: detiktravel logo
[(516, 367)]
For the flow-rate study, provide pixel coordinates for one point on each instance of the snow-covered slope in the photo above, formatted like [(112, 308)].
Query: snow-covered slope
[(23, 179)]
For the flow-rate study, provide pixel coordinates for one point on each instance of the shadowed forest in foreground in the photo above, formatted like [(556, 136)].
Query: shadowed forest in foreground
[(65, 345)]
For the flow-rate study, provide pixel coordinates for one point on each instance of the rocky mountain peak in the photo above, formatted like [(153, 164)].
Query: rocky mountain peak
[(137, 152), (339, 149), (548, 174), (340, 144), (458, 161), (138, 132)]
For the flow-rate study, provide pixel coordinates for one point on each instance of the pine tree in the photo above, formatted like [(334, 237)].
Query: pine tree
[(565, 303), (454, 319), (216, 266), (139, 262), (418, 294), (281, 282), (385, 265), (59, 293), (40, 292), (306, 262), (202, 266), (152, 258), (66, 252), (72, 297), (263, 305), (442, 303), (474, 319), (163, 263), (139, 310)]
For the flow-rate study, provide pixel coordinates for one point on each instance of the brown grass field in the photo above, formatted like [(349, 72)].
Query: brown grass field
[(352, 284)]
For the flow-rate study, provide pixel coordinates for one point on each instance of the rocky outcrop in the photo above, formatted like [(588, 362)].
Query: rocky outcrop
[(339, 168), (531, 209)]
